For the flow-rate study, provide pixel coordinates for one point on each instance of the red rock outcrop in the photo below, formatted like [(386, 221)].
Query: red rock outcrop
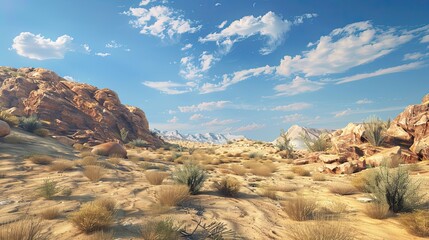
[(77, 110)]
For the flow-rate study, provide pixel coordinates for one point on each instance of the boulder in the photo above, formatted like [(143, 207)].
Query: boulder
[(64, 140), (421, 148), (4, 129), (301, 161), (110, 149), (351, 135), (390, 157), (330, 158)]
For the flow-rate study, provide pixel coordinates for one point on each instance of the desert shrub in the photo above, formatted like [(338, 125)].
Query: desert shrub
[(238, 169), (173, 195), (255, 155), (48, 189), (396, 188), (124, 133), (364, 179), (321, 230), (269, 194), (416, 223), (301, 171), (93, 173), (160, 230), (108, 203), (300, 208), (285, 145), (155, 177), (228, 186), (375, 130), (66, 192), (61, 165), (377, 210), (174, 156), (342, 189), (41, 159), (319, 177), (138, 143), (11, 119), (26, 229), (192, 175), (282, 188), (41, 132), (101, 235), (92, 217), (30, 124), (289, 175), (318, 144), (50, 213), (89, 161)]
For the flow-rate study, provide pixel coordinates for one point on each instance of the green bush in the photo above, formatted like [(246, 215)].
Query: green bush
[(30, 124), (285, 145), (138, 143), (319, 144), (228, 186), (48, 189), (160, 230), (192, 175), (375, 130)]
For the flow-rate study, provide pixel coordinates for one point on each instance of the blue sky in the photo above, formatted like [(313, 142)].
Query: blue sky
[(244, 67)]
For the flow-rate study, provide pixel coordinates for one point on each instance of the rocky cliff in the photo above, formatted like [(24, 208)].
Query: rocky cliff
[(77, 110)]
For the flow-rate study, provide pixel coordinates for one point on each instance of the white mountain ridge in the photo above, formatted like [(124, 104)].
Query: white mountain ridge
[(296, 132), (215, 138)]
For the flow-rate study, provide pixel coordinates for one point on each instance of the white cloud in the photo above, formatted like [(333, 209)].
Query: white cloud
[(249, 127), (217, 4), (192, 71), (415, 56), (171, 112), (349, 111), (343, 113), (230, 79), (204, 106), (293, 118), (217, 122), (196, 116), (113, 44), (144, 2), (363, 101), (187, 46), (344, 48), (380, 72), (271, 26), (297, 86), (38, 47), (160, 21), (222, 24), (102, 54), (425, 39), (292, 107), (86, 47), (168, 87), (69, 78), (300, 19), (173, 120)]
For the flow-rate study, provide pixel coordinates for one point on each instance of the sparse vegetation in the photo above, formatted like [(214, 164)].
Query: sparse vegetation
[(316, 144), (160, 230), (255, 155), (94, 173), (285, 146), (228, 186), (89, 160), (92, 217), (364, 179), (416, 223), (26, 229), (342, 189), (321, 230), (300, 208), (41, 132), (191, 175), (375, 130), (138, 143), (155, 177), (301, 171), (173, 195), (30, 124), (238, 169), (48, 189), (124, 134), (319, 177), (108, 203), (50, 213), (11, 119), (377, 210), (41, 159), (61, 165)]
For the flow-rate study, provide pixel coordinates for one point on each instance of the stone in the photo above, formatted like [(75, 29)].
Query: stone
[(330, 158), (110, 149), (391, 157), (301, 161), (4, 129), (364, 199), (64, 140), (421, 148)]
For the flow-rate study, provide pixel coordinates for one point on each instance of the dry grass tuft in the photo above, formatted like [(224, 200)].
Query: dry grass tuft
[(62, 165), (26, 229), (41, 159), (228, 186), (300, 208), (282, 188), (173, 195), (238, 169), (289, 175), (416, 223), (345, 189), (362, 180), (50, 213), (89, 161), (108, 203), (301, 171), (321, 230), (269, 194), (160, 230), (92, 217), (319, 177), (377, 210), (155, 177), (114, 161), (93, 173)]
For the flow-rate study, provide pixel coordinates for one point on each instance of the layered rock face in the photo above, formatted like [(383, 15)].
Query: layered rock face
[(77, 110)]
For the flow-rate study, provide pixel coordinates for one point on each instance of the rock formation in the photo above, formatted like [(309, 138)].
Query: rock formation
[(4, 129), (80, 111)]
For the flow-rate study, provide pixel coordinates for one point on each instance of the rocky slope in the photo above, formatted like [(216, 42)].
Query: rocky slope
[(215, 138), (296, 132), (80, 111)]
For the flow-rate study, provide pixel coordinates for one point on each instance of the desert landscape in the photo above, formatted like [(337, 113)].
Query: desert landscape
[(56, 184)]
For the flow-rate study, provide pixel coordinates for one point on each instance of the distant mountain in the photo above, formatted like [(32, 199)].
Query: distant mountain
[(296, 132), (215, 138)]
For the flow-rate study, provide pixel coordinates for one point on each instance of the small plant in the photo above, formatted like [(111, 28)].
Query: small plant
[(155, 177), (255, 155), (94, 173), (318, 144), (108, 203), (300, 208), (124, 133), (238, 169), (377, 210), (11, 119), (92, 217), (228, 186), (48, 189), (138, 143), (66, 192), (319, 177), (342, 189), (61, 166), (191, 175), (191, 150), (375, 130), (285, 146), (173, 195), (364, 179), (321, 230), (41, 159), (89, 161), (301, 171), (26, 229), (289, 176), (160, 230), (50, 213), (30, 124), (41, 132), (416, 223)]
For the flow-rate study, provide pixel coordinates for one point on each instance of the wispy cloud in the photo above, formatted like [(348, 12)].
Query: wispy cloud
[(217, 122), (196, 116), (292, 107), (384, 71), (249, 127), (297, 86), (168, 87), (222, 24), (113, 44), (191, 71), (86, 48), (38, 47), (100, 54), (186, 47), (349, 111), (204, 106), (415, 56), (173, 120), (293, 118), (69, 78), (363, 101)]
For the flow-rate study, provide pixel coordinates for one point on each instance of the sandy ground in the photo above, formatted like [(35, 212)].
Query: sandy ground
[(249, 214)]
